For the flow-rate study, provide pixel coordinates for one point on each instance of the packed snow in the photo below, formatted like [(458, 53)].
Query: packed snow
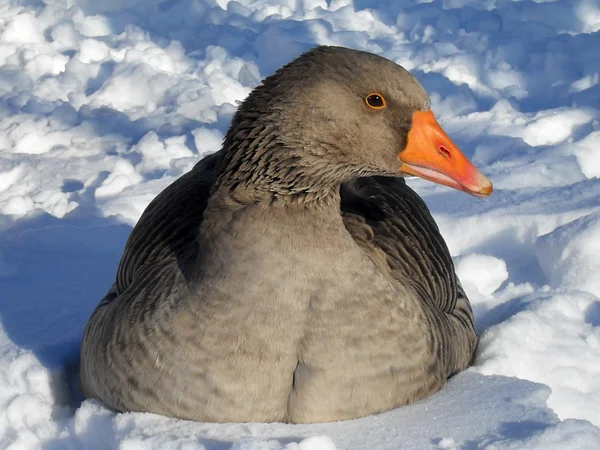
[(104, 103)]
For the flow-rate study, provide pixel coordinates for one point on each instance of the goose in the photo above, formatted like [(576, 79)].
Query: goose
[(293, 276)]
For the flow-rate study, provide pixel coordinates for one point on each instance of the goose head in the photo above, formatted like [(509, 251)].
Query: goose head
[(336, 113)]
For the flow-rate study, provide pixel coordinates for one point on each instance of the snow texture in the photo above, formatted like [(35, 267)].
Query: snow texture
[(105, 103)]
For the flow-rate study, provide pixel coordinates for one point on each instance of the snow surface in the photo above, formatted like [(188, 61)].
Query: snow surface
[(105, 103)]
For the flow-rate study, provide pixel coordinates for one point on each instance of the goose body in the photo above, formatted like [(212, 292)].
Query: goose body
[(292, 276)]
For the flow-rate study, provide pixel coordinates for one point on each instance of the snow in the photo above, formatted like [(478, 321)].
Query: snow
[(484, 272), (569, 254), (104, 104)]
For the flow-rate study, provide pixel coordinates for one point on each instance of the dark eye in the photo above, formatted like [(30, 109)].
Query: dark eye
[(375, 101)]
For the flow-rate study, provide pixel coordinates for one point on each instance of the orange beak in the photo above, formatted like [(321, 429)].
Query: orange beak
[(431, 154)]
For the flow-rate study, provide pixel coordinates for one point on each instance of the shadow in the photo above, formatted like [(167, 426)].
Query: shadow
[(107, 121), (104, 73), (62, 268), (522, 429), (592, 314), (517, 431), (518, 254), (460, 99), (70, 185), (548, 85), (502, 312)]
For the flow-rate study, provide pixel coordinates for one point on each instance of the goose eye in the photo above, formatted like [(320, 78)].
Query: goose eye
[(375, 101)]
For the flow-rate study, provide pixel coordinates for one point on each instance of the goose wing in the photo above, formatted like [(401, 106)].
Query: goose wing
[(389, 221), (169, 224)]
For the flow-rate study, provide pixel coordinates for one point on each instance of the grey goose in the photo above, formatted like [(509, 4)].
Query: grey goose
[(293, 276)]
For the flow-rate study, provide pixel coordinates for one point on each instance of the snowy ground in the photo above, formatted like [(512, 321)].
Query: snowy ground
[(104, 103)]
